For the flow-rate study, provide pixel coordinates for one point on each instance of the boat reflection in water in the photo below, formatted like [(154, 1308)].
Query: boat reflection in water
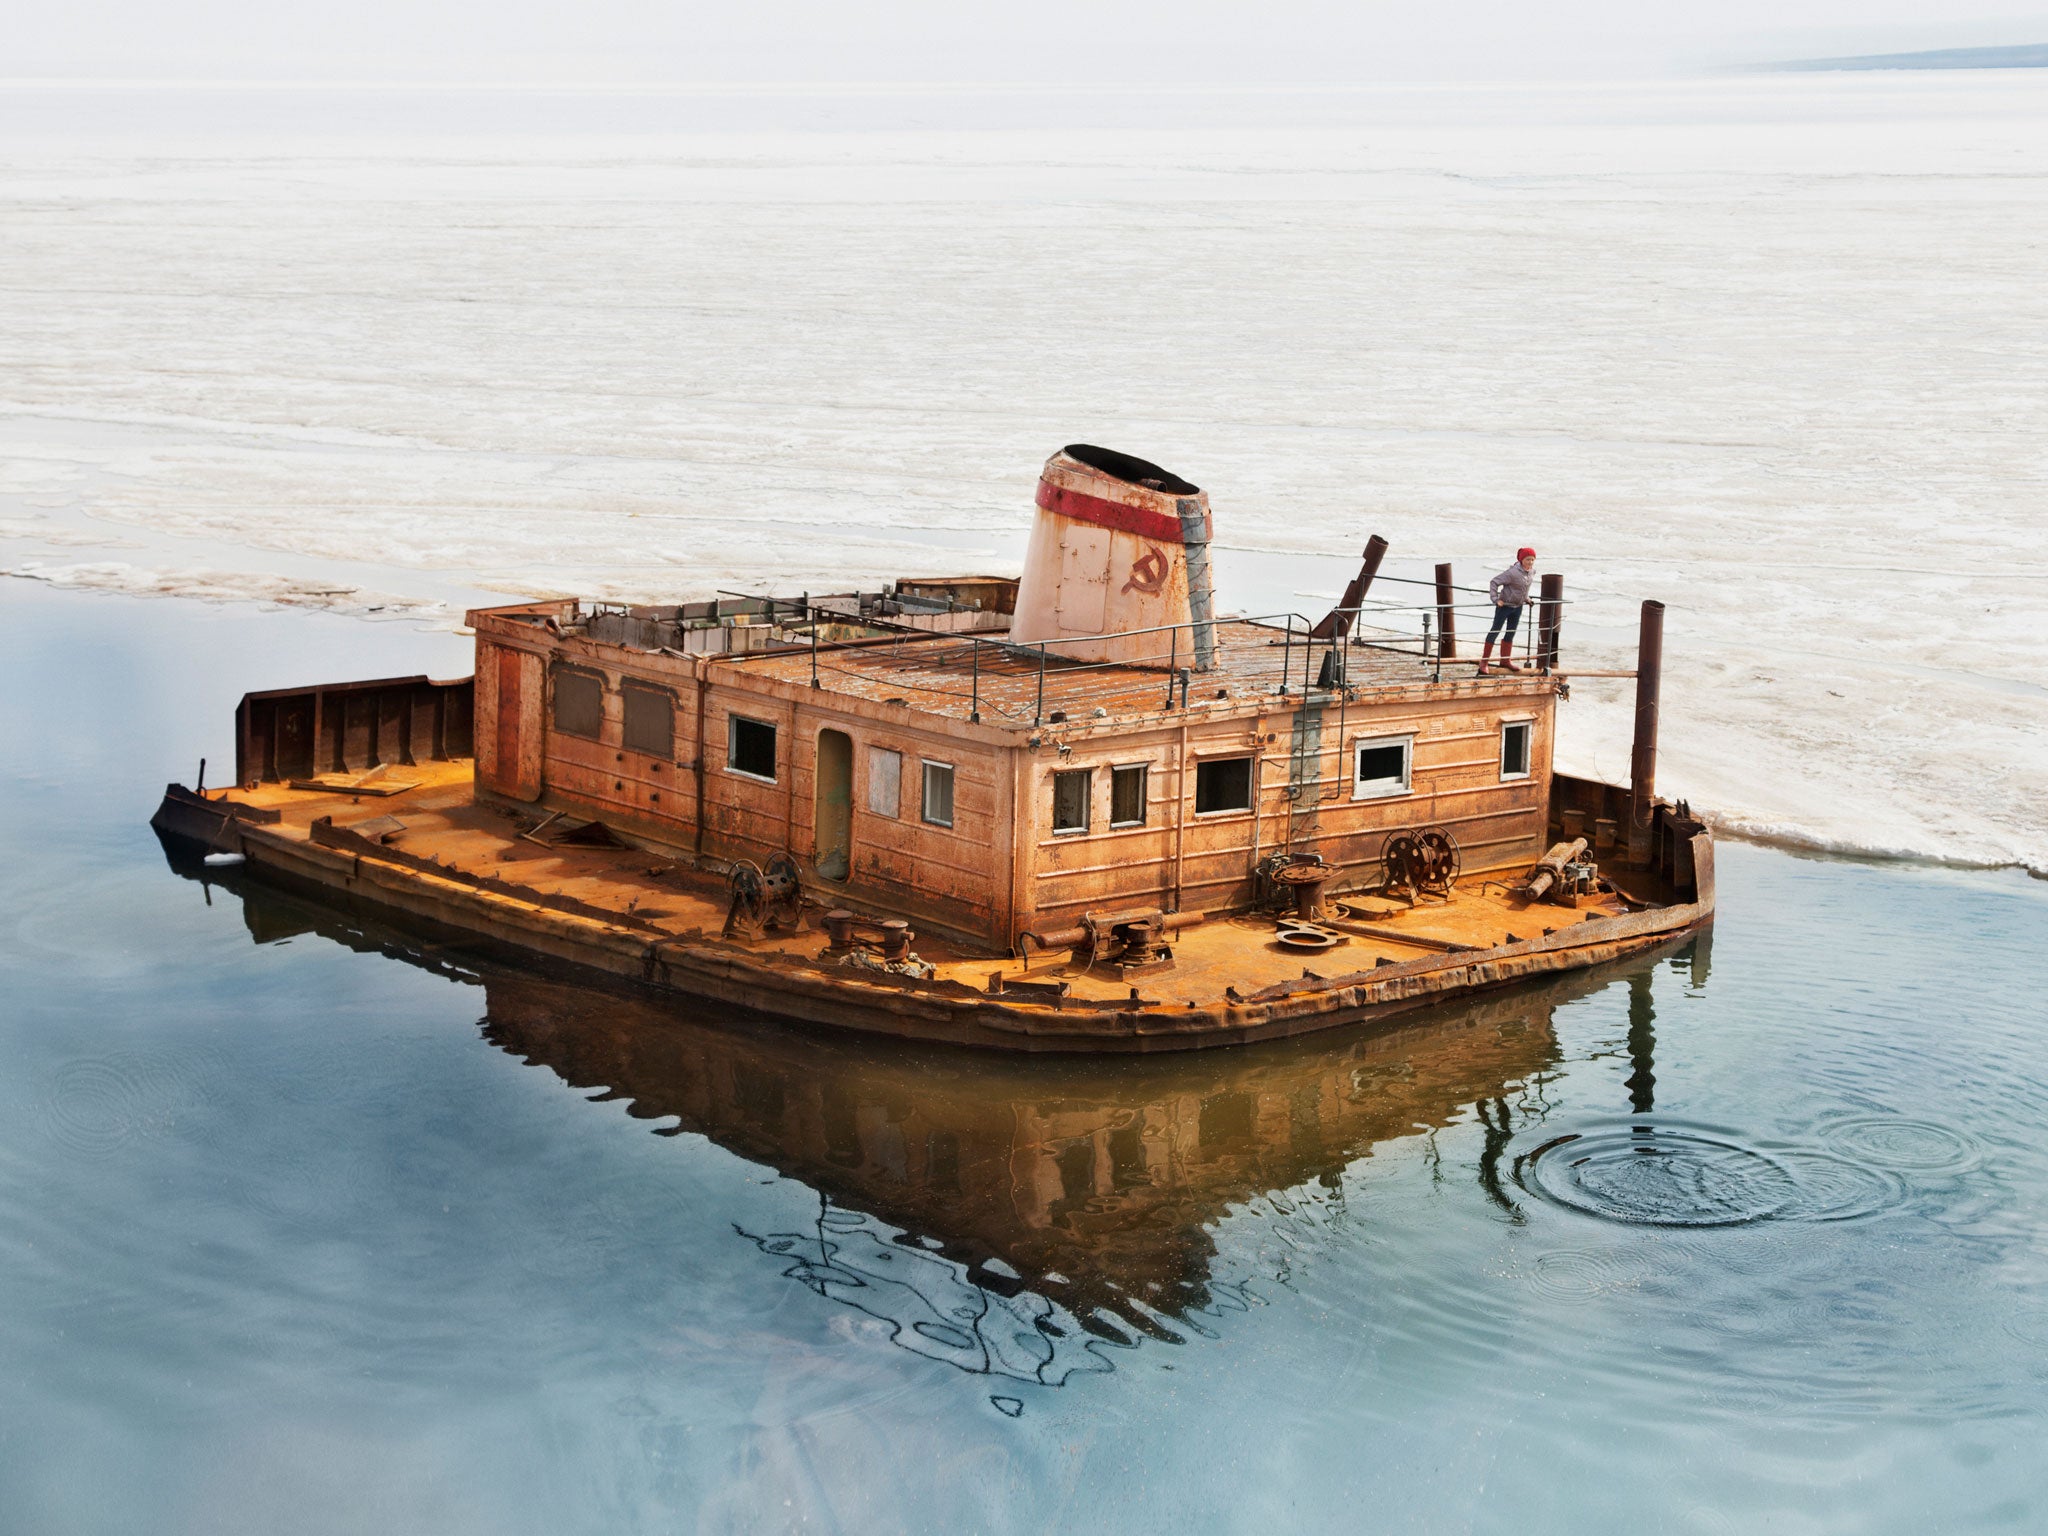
[(1026, 1216)]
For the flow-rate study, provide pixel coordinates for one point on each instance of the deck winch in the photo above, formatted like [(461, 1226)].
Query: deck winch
[(1418, 863), (1562, 876), (762, 900), (1133, 942)]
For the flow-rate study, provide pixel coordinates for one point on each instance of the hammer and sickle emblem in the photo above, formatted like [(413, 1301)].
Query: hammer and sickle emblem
[(1148, 572)]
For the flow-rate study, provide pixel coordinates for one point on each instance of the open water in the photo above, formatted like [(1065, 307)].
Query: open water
[(308, 1226)]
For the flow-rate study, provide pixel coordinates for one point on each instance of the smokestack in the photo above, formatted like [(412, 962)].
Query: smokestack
[(1119, 546)]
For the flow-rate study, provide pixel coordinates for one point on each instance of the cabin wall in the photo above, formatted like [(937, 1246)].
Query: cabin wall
[(1001, 867), (1184, 859), (955, 878), (295, 733)]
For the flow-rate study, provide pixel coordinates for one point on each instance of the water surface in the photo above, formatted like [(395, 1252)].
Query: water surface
[(308, 1224)]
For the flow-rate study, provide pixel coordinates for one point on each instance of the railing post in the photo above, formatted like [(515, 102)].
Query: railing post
[(1551, 619), (974, 707), (1438, 675), (1642, 772), (1039, 714), (1172, 660), (1287, 654), (813, 617), (1446, 618)]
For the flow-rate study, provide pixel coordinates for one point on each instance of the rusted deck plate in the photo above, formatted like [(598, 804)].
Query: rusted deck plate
[(942, 675), (441, 822)]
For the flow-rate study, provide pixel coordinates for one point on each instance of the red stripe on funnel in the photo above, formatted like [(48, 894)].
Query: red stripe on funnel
[(1108, 514)]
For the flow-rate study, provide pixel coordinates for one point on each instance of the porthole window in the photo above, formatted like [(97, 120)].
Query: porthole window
[(1127, 796), (885, 782), (750, 747), (938, 794), (578, 702), (1223, 784), (650, 718), (1514, 748), (1071, 789), (1381, 766)]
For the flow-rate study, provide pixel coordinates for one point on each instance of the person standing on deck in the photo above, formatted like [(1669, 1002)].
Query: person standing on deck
[(1509, 591)]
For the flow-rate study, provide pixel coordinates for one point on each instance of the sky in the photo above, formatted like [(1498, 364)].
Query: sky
[(1147, 42)]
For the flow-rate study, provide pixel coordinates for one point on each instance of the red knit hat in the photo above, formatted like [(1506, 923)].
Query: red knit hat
[(1525, 554)]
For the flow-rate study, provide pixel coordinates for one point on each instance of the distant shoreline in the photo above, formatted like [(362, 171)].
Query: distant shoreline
[(2017, 56)]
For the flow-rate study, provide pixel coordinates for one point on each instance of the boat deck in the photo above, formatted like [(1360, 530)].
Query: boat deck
[(1000, 684), (439, 821)]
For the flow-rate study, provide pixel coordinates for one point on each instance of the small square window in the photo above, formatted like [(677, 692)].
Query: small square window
[(650, 719), (938, 794), (885, 782), (1127, 796), (1514, 749), (579, 703), (1070, 795), (750, 747), (1381, 767), (1223, 784)]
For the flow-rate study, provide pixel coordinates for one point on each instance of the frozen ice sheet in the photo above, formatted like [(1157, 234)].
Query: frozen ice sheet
[(1766, 349)]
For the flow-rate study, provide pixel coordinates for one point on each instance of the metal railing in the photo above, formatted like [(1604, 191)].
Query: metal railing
[(1344, 630)]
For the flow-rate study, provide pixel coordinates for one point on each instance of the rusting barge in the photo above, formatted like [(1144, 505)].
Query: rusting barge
[(1077, 811)]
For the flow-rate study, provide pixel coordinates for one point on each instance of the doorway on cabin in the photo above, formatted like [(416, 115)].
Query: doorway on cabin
[(834, 821)]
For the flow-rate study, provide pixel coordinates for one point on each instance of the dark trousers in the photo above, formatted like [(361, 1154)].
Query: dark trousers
[(1504, 621)]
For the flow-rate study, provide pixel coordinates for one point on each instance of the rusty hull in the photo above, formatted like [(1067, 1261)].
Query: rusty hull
[(460, 864)]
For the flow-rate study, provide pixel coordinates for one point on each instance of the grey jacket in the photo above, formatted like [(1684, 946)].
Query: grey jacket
[(1510, 589)]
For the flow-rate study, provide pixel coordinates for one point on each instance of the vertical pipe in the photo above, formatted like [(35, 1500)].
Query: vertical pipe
[(1172, 660), (699, 670), (813, 617), (1180, 814), (1446, 621), (1375, 552), (1038, 715), (1642, 772), (974, 708), (1550, 617), (1194, 538), (1287, 654)]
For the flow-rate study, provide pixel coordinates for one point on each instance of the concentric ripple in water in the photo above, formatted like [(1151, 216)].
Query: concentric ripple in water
[(1910, 1146), (1659, 1174)]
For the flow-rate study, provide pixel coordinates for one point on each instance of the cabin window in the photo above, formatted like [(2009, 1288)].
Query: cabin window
[(1514, 749), (1127, 796), (1381, 766), (1070, 794), (579, 703), (650, 715), (1223, 784), (938, 794), (885, 782), (750, 747)]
